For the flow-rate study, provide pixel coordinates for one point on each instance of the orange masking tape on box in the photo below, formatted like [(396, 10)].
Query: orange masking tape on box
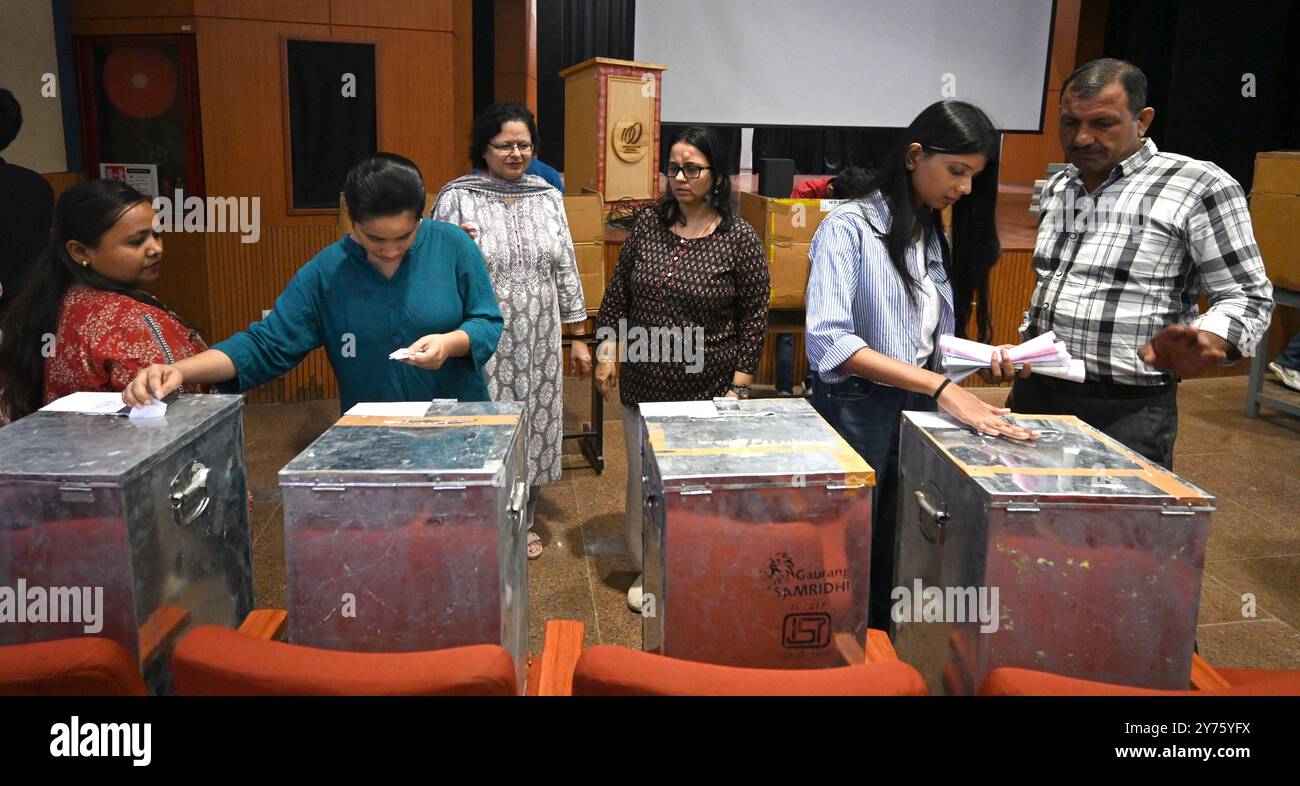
[(1275, 212)]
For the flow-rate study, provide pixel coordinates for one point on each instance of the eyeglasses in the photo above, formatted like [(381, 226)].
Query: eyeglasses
[(692, 171), (522, 147)]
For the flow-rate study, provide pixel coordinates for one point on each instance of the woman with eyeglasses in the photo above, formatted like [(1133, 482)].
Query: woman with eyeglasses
[(519, 223), (886, 283), (693, 268)]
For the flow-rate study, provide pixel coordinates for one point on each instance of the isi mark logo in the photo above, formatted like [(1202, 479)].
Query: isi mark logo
[(804, 629)]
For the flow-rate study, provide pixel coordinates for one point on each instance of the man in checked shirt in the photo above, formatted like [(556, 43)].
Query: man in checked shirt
[(1128, 239)]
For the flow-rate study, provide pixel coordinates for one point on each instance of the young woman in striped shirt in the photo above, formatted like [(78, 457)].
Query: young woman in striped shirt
[(886, 282)]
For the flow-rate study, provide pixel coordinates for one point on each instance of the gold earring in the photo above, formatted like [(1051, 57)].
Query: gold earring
[(85, 263)]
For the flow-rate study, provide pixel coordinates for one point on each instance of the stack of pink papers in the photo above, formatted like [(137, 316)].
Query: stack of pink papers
[(1044, 354)]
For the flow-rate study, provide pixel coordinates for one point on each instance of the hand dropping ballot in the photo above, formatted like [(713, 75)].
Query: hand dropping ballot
[(97, 403), (403, 354), (1044, 354)]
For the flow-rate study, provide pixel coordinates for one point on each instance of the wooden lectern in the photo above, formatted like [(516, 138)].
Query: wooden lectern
[(611, 128)]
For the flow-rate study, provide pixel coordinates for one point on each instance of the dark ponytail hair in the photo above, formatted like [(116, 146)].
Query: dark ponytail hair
[(948, 127), (83, 213), (719, 196)]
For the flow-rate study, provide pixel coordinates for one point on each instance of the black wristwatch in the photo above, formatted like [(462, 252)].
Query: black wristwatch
[(741, 391)]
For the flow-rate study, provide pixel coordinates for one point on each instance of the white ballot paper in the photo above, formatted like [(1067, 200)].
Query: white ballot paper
[(151, 411), (386, 409), (1044, 354), (403, 354), (89, 403)]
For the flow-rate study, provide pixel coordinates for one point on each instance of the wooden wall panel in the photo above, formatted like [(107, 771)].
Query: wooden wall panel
[(242, 111), (116, 9), (309, 11), (416, 116), (183, 285), (404, 14), (245, 278)]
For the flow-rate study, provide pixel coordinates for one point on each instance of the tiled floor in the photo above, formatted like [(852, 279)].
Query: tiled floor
[(1250, 600)]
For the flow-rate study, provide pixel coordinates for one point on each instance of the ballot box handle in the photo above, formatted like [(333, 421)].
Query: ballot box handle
[(189, 492), (929, 513), (518, 504)]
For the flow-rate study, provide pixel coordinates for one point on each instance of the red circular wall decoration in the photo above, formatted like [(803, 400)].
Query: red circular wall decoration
[(140, 81)]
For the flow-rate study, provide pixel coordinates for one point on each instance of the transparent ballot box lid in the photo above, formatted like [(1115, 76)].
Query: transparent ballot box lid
[(727, 443), (1070, 462), (78, 447), (452, 443)]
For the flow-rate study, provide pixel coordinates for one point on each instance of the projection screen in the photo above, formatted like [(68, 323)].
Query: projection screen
[(846, 62)]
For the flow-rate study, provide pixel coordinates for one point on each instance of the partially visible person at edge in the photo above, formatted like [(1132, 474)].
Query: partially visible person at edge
[(885, 284), (689, 265), (1128, 239), (396, 281), (87, 292), (850, 183), (523, 233), (26, 209)]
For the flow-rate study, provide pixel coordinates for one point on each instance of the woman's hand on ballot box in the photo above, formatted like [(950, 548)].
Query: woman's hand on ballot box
[(985, 418)]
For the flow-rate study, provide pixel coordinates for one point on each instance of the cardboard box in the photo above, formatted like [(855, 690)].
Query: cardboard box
[(591, 269), (789, 263), (1275, 218), (784, 220), (1275, 213), (1277, 172), (586, 219), (587, 228)]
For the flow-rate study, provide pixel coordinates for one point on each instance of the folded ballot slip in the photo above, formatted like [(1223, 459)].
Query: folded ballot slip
[(1044, 354), (403, 354)]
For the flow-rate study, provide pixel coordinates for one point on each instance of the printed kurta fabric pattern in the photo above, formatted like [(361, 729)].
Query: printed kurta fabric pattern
[(1117, 266), (857, 299), (720, 283), (339, 301), (105, 338), (530, 259)]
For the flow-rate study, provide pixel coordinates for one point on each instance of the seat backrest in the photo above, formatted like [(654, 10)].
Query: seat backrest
[(1025, 682), (82, 666), (607, 670), (215, 661)]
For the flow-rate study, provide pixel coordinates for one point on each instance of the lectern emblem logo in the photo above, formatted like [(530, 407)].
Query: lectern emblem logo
[(628, 139)]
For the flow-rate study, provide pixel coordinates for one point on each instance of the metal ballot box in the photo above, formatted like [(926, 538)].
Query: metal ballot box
[(757, 535), (409, 533), (1070, 554), (140, 523)]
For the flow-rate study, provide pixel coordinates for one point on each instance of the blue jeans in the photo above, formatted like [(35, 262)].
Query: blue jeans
[(1290, 357), (867, 416), (785, 364)]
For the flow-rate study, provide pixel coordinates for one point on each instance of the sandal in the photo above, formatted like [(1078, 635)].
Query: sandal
[(534, 545)]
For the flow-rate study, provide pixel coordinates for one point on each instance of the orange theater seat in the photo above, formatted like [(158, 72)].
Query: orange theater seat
[(214, 661), (1228, 682), (84, 666), (607, 670)]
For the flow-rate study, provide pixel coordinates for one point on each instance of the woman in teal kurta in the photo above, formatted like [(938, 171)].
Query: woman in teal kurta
[(395, 282)]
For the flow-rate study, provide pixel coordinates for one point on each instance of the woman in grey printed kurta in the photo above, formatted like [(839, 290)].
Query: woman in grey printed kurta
[(521, 228)]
